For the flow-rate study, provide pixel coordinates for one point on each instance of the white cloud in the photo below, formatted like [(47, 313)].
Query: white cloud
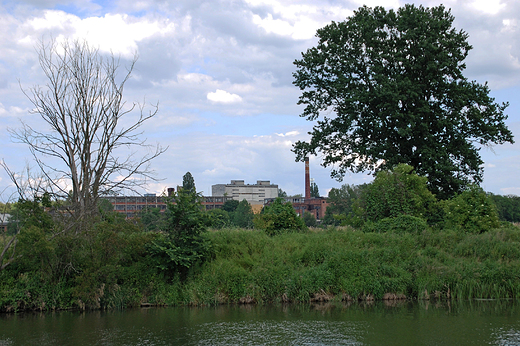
[(488, 6), (373, 3), (12, 111), (288, 134), (221, 96), (298, 21), (116, 33)]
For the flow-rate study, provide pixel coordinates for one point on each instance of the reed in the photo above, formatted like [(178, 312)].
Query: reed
[(350, 264)]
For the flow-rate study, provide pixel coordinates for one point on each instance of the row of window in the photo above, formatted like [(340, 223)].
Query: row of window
[(120, 207)]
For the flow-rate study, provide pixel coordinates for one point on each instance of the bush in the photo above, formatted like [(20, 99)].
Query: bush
[(309, 219), (279, 217), (218, 218), (472, 211), (398, 192), (399, 224), (243, 215)]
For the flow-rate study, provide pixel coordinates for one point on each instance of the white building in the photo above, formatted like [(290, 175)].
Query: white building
[(238, 190)]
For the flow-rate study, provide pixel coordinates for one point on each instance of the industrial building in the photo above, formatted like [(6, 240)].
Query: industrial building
[(132, 205), (314, 205), (258, 195), (255, 194)]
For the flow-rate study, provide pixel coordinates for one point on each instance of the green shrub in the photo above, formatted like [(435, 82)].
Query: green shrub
[(182, 245), (243, 215), (218, 218), (278, 217), (471, 211), (309, 219), (397, 192), (398, 224)]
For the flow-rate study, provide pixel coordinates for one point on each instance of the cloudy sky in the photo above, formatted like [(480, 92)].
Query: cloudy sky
[(221, 71)]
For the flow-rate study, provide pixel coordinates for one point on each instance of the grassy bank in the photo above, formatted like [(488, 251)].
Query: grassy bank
[(348, 264), (249, 266)]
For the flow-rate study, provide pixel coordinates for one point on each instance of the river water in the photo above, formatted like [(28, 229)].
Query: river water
[(403, 323)]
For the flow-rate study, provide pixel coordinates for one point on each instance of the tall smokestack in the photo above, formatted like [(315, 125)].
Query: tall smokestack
[(307, 179)]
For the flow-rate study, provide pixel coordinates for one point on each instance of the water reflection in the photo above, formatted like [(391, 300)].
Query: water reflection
[(368, 323)]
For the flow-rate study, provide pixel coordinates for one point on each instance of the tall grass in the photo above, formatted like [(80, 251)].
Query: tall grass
[(113, 270), (350, 264)]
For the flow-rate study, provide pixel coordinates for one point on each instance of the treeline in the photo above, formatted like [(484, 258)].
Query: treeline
[(393, 240), (508, 207), (402, 193)]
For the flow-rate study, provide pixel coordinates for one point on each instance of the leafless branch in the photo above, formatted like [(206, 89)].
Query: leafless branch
[(82, 105)]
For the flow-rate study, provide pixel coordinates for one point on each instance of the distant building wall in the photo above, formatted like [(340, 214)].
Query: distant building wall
[(130, 206), (238, 190), (4, 221), (316, 206)]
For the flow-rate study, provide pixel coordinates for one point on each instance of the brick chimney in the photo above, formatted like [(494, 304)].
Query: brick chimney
[(307, 179)]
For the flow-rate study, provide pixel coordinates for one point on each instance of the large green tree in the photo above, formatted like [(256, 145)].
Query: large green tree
[(387, 87)]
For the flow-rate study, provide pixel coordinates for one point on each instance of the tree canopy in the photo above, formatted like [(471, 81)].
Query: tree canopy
[(315, 191), (387, 87), (188, 183)]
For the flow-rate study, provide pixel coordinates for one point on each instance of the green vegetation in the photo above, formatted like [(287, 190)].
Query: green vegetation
[(388, 87), (508, 207), (396, 241), (112, 268), (279, 217), (315, 191)]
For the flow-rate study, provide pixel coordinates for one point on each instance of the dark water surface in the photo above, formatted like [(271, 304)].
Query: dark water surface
[(404, 323)]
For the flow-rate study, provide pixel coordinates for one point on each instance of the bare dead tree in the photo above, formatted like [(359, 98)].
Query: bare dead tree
[(82, 104)]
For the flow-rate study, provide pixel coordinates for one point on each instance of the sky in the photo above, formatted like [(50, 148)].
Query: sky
[(221, 71)]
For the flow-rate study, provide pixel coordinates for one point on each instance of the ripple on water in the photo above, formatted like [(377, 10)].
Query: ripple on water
[(278, 333)]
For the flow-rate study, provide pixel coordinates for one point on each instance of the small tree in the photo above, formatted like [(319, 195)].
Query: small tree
[(343, 204), (243, 215), (472, 211), (279, 217), (315, 192), (508, 207), (309, 219), (188, 183), (153, 219), (218, 218), (230, 205), (398, 192), (183, 244)]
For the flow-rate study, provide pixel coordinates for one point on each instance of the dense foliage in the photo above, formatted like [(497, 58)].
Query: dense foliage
[(182, 244), (397, 192), (471, 211), (279, 217), (397, 250), (188, 183), (388, 88), (508, 207), (315, 191)]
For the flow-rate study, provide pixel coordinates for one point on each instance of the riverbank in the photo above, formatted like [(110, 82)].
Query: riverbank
[(347, 264), (248, 266)]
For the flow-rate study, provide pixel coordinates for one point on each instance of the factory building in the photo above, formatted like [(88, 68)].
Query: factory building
[(255, 194)]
